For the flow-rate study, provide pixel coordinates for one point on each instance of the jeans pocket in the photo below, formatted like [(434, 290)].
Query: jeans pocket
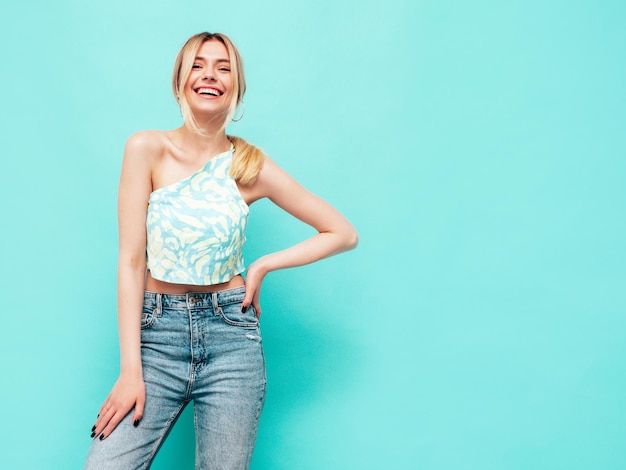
[(148, 316), (232, 315)]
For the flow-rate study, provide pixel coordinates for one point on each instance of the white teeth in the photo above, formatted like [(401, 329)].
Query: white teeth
[(208, 91)]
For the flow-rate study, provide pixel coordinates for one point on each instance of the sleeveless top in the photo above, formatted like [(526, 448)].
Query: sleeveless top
[(195, 227)]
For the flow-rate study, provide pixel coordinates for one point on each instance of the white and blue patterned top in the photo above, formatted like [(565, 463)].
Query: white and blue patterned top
[(195, 227)]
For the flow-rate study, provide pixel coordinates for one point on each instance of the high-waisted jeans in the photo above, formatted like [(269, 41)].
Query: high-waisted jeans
[(199, 347)]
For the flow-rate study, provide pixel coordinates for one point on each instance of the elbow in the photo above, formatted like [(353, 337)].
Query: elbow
[(132, 263), (351, 239), (344, 238)]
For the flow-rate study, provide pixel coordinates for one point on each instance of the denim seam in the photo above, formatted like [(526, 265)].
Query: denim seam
[(240, 324), (150, 319), (166, 431), (190, 382)]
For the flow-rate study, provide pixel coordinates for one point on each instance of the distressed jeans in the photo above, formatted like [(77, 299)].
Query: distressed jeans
[(195, 347)]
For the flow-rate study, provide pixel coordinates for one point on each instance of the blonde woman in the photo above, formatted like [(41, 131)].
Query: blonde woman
[(188, 320)]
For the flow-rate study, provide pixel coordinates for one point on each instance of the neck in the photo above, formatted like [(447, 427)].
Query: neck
[(211, 124), (212, 142)]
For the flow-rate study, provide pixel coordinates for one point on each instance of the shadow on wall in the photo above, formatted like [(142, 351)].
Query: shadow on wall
[(309, 361)]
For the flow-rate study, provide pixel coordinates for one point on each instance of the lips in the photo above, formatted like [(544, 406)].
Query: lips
[(209, 91)]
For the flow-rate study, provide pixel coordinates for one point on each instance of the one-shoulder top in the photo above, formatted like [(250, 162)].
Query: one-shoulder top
[(195, 227)]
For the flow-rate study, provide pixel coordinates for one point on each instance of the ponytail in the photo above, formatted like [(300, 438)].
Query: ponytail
[(247, 161)]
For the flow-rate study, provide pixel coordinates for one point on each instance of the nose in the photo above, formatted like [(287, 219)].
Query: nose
[(208, 74)]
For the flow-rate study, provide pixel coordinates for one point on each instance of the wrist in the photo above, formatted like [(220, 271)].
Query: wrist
[(261, 266), (131, 370)]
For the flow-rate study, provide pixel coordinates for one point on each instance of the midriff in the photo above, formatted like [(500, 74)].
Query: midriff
[(154, 285)]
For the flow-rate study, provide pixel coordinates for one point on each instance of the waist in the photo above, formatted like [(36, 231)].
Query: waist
[(154, 285), (192, 300)]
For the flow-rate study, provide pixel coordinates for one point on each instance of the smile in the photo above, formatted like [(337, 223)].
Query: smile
[(209, 91)]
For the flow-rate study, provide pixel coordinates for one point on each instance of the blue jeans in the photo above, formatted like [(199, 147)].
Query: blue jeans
[(198, 347)]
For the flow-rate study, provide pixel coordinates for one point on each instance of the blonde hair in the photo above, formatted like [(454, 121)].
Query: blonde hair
[(247, 159)]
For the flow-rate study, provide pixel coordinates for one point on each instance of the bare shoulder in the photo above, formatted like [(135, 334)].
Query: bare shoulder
[(144, 150), (266, 183), (148, 142)]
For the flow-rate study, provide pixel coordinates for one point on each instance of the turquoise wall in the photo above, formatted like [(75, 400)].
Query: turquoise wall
[(478, 147)]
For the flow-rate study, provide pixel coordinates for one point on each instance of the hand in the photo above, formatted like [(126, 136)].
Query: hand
[(254, 278), (128, 391)]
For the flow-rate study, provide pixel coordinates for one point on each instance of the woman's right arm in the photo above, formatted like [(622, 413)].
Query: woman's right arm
[(134, 190)]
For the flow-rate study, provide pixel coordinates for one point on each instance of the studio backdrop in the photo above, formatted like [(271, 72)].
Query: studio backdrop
[(478, 148)]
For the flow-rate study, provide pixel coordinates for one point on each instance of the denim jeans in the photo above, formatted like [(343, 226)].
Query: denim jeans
[(196, 347)]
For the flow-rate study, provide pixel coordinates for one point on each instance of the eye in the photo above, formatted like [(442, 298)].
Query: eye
[(224, 69), (196, 66)]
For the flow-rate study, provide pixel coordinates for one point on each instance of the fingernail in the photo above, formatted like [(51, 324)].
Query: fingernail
[(94, 428), (136, 423), (101, 436), (93, 434), (244, 309)]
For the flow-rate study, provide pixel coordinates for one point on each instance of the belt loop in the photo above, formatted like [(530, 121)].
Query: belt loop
[(214, 302), (159, 303)]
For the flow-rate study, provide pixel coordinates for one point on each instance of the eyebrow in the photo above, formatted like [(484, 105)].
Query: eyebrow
[(218, 60)]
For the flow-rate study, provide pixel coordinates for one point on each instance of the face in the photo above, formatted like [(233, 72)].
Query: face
[(209, 88)]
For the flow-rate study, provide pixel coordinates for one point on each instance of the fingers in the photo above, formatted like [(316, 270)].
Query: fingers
[(113, 411), (107, 422), (104, 415), (107, 412), (252, 297), (247, 300), (141, 401), (256, 303), (116, 417), (253, 292)]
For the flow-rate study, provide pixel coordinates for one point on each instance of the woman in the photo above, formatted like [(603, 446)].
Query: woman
[(188, 320)]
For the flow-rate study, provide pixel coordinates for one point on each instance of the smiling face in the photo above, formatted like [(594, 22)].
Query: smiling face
[(208, 75), (209, 87)]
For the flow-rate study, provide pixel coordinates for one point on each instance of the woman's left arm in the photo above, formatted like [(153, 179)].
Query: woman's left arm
[(335, 233)]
